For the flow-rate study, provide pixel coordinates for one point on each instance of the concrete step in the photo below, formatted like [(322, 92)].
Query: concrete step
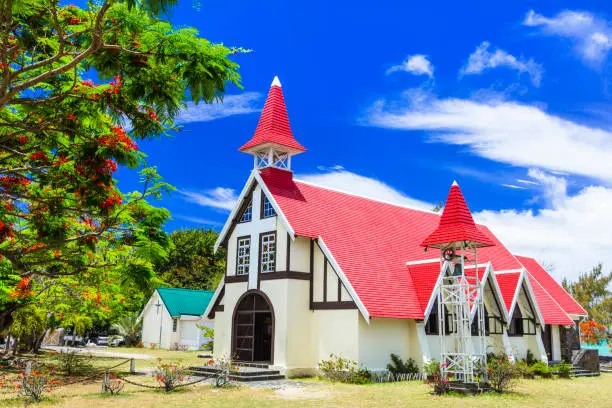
[(242, 373), (586, 374)]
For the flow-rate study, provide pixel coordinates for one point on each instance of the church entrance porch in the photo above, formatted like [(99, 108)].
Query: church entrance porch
[(253, 329)]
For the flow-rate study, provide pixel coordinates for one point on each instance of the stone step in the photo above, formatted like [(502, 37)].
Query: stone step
[(257, 378), (586, 374)]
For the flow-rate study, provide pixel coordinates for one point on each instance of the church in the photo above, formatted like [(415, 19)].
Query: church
[(313, 271)]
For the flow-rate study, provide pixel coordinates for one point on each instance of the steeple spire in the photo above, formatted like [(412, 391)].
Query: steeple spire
[(273, 143), (456, 224)]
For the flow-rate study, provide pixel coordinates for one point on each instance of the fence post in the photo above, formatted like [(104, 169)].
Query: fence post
[(132, 366), (105, 382)]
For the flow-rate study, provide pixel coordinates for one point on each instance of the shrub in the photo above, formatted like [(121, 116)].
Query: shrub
[(71, 363), (225, 366), (30, 387), (440, 385), (339, 369), (432, 368), (530, 358), (546, 372), (502, 374), (523, 369), (563, 369), (169, 375), (113, 384), (538, 367), (397, 366), (139, 345)]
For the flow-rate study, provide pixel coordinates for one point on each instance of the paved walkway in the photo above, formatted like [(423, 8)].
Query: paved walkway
[(99, 351)]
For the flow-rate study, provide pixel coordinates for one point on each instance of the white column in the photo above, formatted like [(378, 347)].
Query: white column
[(556, 342), (541, 348)]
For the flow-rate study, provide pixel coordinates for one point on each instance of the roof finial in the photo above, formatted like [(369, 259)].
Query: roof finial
[(455, 183), (276, 82)]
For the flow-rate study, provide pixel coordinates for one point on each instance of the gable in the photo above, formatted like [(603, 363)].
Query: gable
[(552, 287)]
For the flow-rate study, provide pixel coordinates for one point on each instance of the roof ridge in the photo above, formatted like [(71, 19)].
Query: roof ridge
[(337, 190), (193, 290)]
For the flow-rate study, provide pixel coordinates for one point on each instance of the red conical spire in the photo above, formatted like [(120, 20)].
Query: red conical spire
[(273, 127), (456, 224)]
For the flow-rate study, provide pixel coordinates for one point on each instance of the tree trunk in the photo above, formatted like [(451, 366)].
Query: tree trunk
[(39, 340), (8, 343), (15, 346)]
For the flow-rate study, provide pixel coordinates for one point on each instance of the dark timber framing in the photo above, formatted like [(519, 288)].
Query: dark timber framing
[(333, 305), (339, 290), (216, 307), (288, 256), (285, 275), (324, 279), (245, 202), (311, 274)]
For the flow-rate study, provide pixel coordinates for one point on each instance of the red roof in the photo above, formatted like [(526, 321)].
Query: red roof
[(372, 241), (551, 286), (456, 224), (551, 312), (508, 283), (273, 126)]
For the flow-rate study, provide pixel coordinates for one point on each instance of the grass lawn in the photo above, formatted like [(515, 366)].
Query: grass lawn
[(586, 392)]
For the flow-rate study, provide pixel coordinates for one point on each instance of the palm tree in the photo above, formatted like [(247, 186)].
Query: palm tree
[(79, 323), (129, 326)]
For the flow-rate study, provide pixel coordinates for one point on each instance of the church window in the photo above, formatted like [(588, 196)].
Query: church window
[(267, 210), (267, 252), (247, 215), (243, 256)]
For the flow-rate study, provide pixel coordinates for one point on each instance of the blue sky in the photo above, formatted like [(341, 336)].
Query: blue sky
[(398, 99)]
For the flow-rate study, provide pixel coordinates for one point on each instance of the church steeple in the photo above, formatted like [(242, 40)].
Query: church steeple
[(273, 143)]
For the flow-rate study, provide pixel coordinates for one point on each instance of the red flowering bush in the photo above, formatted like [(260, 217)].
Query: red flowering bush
[(592, 332), (32, 386), (502, 373), (169, 375)]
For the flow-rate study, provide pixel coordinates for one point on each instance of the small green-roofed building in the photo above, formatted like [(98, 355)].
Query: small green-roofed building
[(171, 316)]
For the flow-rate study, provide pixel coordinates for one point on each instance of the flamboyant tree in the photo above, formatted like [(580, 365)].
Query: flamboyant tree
[(79, 87)]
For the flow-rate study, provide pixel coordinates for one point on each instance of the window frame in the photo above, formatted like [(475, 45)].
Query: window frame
[(262, 212), (248, 209), (174, 324), (261, 253), (247, 265), (515, 328)]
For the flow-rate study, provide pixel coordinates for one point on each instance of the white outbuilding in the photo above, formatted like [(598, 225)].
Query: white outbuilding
[(171, 318)]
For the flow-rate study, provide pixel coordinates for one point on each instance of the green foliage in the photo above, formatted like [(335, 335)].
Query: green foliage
[(130, 327), (538, 367), (397, 366), (530, 359), (339, 369), (28, 322), (70, 240), (72, 363), (502, 374), (192, 262), (432, 368), (592, 291), (208, 333), (563, 369)]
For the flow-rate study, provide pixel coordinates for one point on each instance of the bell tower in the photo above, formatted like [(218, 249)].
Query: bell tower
[(458, 239), (273, 143)]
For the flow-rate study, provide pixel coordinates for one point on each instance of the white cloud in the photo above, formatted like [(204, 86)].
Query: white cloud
[(220, 197), (568, 234), (232, 105), (591, 35), (482, 59), (514, 186), (198, 220), (504, 131), (364, 186), (417, 64)]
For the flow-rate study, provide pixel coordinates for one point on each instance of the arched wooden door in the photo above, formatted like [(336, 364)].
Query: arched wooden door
[(253, 328)]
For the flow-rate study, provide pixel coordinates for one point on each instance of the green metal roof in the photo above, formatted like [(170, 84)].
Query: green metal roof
[(185, 301)]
